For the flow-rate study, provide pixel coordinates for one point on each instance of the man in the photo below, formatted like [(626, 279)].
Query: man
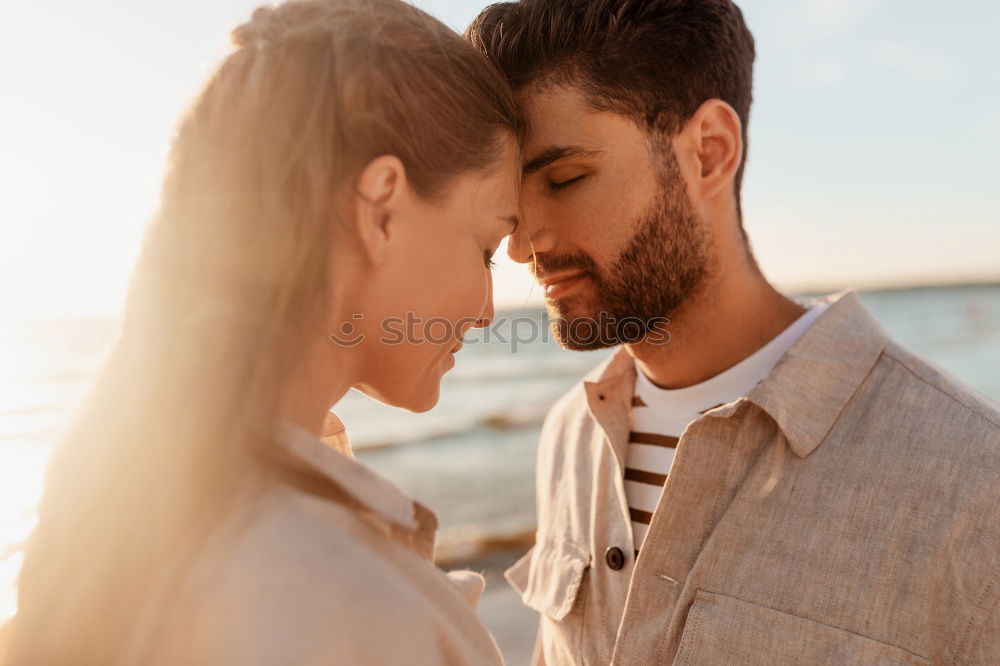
[(753, 480)]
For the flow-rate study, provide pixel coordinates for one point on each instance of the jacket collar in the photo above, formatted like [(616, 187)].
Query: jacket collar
[(813, 382), (331, 460), (609, 389), (804, 394)]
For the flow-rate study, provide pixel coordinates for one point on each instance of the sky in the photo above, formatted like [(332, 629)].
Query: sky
[(874, 141)]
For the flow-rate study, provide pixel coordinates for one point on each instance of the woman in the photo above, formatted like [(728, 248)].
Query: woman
[(352, 165)]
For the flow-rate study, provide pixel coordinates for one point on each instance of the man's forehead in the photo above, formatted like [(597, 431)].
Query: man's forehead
[(562, 124), (564, 96), (559, 116)]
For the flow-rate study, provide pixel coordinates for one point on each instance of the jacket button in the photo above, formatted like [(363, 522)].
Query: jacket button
[(615, 558)]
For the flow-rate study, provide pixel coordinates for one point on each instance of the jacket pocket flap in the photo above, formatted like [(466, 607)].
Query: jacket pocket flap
[(548, 576), (724, 630)]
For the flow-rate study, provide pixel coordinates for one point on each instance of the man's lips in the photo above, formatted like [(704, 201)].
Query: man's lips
[(559, 284)]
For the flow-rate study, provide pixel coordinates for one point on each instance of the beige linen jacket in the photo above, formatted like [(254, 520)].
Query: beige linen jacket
[(328, 564), (844, 511)]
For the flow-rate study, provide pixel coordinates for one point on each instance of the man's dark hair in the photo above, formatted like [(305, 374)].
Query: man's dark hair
[(656, 61)]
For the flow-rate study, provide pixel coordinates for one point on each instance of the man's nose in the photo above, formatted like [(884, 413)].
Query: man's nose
[(528, 240)]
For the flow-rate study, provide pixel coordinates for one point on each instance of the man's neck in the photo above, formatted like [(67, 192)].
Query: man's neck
[(727, 320)]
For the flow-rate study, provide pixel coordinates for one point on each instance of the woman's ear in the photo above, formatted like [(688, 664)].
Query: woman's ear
[(379, 190), (715, 136)]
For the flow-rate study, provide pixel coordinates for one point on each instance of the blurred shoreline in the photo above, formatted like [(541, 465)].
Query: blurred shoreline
[(810, 291)]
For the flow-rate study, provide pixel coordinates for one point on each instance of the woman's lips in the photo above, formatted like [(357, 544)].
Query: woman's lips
[(449, 358), (561, 284)]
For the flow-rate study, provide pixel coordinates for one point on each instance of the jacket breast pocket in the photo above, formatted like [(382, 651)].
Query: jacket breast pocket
[(551, 578), (723, 630)]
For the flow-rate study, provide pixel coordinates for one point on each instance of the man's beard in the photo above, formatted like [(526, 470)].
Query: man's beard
[(658, 270)]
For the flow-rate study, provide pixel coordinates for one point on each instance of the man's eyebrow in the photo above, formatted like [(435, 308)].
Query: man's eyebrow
[(554, 154)]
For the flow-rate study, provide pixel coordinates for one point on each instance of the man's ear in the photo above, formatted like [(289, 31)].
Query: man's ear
[(714, 136), (379, 190)]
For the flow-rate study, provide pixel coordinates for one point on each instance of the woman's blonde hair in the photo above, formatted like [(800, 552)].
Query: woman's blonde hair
[(233, 266)]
